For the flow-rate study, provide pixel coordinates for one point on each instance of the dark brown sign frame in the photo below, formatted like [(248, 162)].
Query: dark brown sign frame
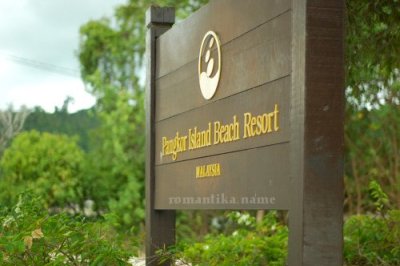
[(313, 148)]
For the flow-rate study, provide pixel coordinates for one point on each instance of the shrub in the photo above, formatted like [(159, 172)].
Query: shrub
[(47, 164), (373, 239), (251, 243), (30, 236)]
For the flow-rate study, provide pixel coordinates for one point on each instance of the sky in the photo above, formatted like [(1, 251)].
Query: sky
[(39, 40)]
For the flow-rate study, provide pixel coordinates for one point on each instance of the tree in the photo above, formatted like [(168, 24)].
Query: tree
[(111, 55), (373, 45), (49, 165), (79, 124), (11, 123), (373, 97)]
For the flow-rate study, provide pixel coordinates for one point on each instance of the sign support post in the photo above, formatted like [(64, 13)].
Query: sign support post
[(160, 224), (317, 126)]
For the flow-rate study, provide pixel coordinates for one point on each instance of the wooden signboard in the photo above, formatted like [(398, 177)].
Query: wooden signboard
[(245, 111)]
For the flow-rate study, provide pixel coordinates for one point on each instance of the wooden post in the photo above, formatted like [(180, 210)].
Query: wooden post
[(160, 225), (317, 115)]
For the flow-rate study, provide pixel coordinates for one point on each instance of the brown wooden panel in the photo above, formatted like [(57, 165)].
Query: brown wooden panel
[(257, 101), (229, 18), (255, 58), (261, 174)]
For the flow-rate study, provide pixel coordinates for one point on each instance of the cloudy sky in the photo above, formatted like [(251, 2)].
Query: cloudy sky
[(38, 44)]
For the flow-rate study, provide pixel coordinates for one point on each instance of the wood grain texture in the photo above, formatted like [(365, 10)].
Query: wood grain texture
[(260, 172), (229, 18), (160, 225), (257, 101), (323, 165), (316, 214), (259, 56)]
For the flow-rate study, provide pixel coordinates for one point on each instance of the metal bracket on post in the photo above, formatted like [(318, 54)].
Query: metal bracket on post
[(160, 225)]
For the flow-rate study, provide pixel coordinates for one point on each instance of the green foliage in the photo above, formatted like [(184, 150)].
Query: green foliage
[(109, 64), (115, 167), (373, 97), (62, 122), (250, 243), (372, 152), (111, 55), (379, 197), (47, 164), (30, 236), (373, 239), (112, 50), (373, 43)]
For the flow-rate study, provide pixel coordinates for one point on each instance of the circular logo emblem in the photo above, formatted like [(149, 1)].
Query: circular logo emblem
[(209, 64)]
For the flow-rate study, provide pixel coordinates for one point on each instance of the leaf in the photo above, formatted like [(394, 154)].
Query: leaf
[(37, 233), (28, 242)]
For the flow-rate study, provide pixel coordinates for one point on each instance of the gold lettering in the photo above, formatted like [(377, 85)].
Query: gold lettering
[(276, 121), (260, 124), (173, 146), (217, 126), (247, 129), (253, 125), (264, 123), (199, 139), (198, 171), (209, 170), (226, 133), (164, 145)]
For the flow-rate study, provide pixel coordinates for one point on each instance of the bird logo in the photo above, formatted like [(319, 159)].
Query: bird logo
[(209, 64)]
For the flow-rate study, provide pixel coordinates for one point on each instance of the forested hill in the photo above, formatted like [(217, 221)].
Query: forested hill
[(62, 122)]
